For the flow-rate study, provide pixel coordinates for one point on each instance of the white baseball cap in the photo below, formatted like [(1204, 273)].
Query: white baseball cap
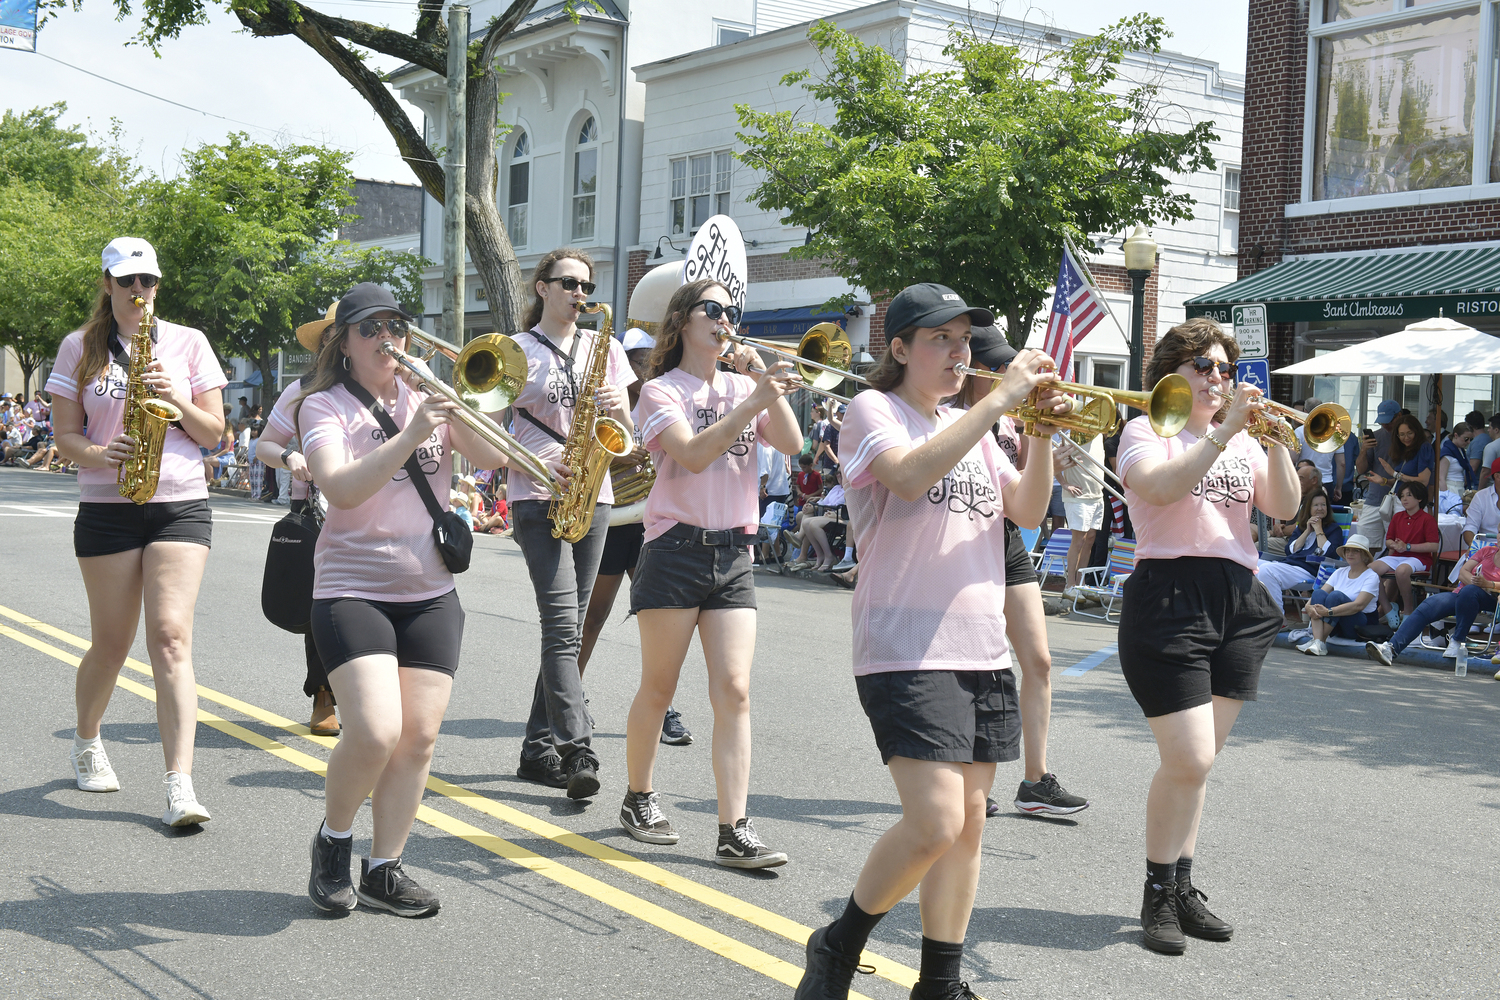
[(130, 255), (637, 339)]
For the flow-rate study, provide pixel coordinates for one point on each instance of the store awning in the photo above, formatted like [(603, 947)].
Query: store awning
[(786, 324), (1409, 285)]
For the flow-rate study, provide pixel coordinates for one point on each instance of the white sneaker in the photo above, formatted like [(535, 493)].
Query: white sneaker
[(1305, 645), (1452, 651), (1316, 648), (91, 769), (1380, 652), (182, 805), (1071, 593)]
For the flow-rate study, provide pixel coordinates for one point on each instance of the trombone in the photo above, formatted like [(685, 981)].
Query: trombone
[(822, 357), (1327, 426), (489, 372), (1167, 406)]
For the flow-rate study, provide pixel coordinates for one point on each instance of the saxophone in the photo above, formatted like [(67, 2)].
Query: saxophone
[(146, 417), (594, 440)]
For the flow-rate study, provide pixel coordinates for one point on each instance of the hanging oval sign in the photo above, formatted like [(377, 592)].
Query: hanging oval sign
[(718, 252)]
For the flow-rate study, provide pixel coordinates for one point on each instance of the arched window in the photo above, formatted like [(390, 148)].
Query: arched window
[(585, 180), (519, 194)]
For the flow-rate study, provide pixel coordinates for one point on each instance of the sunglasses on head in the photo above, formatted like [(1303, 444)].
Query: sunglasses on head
[(1203, 366), (713, 310), (397, 327), (571, 284), (127, 280)]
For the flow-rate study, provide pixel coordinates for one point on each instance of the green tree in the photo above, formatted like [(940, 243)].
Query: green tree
[(244, 237), (343, 44), (973, 176)]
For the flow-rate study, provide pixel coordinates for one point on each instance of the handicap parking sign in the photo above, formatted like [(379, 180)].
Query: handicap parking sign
[(1257, 373)]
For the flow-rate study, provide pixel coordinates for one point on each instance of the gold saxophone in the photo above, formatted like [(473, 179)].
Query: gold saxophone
[(146, 417), (594, 441)]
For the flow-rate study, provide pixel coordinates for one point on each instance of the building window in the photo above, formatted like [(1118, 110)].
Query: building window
[(727, 32), (585, 180), (518, 197), (1395, 100), (1229, 214), (1109, 374), (700, 188)]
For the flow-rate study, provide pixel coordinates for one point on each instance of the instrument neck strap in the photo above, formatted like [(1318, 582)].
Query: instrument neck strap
[(559, 438), (568, 359), (117, 349), (412, 466)]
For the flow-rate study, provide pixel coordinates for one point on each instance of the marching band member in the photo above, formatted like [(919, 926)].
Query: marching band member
[(694, 572), (929, 491), (558, 750), (279, 448), (129, 554), (386, 617), (1196, 626), (1025, 624)]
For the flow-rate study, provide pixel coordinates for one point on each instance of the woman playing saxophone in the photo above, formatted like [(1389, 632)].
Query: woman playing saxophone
[(134, 553)]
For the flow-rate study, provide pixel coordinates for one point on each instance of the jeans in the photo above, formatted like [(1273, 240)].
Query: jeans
[(1344, 626), (1464, 604), (562, 574)]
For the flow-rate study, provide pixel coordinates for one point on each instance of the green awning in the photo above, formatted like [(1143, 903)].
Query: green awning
[(1404, 285)]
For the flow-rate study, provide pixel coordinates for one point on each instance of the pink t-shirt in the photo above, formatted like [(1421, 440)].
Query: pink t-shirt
[(186, 356), (383, 549), (722, 496), (548, 396), (931, 588), (1212, 521), (281, 419)]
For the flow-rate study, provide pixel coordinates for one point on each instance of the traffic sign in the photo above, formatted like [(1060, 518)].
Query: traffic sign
[(1250, 331), (1257, 373)]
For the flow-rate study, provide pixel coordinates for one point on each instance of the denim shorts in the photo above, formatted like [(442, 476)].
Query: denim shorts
[(956, 716), (102, 529), (676, 570)]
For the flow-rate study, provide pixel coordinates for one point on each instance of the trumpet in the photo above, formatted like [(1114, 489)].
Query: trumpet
[(1327, 426), (822, 357), (484, 354), (1167, 406)]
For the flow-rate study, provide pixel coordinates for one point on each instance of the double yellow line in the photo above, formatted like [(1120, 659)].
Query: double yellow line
[(667, 920)]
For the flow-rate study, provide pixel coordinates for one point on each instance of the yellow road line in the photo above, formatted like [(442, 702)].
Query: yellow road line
[(757, 916), (631, 905)]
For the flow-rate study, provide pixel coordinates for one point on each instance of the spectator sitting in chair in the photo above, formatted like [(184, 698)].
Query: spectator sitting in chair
[(1483, 514), (1411, 541), (814, 527), (1316, 534), (1338, 607), (809, 482), (1464, 604), (1413, 459)]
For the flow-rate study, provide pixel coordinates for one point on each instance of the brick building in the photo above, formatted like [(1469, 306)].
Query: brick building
[(1369, 187)]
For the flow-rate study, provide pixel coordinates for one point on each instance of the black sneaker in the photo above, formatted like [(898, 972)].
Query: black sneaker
[(1046, 797), (829, 971), (673, 732), (741, 847), (950, 990), (642, 818), (1159, 920), (390, 888), (583, 776), (329, 885), (1195, 918), (544, 770)]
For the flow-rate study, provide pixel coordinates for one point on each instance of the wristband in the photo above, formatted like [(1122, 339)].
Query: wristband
[(1209, 437), (288, 452)]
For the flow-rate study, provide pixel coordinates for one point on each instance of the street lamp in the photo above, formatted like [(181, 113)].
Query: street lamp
[(1140, 261)]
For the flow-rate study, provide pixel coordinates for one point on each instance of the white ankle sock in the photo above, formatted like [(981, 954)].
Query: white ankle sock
[(377, 862), (80, 742), (328, 832)]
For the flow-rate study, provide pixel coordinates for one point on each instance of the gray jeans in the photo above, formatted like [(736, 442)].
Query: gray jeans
[(562, 575)]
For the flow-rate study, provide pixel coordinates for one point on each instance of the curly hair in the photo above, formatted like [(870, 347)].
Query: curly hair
[(544, 271)]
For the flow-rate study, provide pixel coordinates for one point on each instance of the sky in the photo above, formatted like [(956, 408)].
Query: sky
[(277, 89)]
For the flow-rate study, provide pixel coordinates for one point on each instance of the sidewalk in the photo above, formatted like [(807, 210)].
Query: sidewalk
[(1415, 655)]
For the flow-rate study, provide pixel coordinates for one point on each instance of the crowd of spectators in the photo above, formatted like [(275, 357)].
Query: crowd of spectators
[(26, 439)]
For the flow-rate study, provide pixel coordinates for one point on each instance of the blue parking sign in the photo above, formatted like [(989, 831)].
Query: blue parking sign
[(1257, 373)]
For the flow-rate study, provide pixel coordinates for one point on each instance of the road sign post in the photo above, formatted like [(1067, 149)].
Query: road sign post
[(1251, 332)]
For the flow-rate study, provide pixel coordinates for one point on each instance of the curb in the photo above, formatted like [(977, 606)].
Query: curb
[(800, 574), (1413, 655)]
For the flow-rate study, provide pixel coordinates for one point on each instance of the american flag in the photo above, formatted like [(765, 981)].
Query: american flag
[(1076, 309)]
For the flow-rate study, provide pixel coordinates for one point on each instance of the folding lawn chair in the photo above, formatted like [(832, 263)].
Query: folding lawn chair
[(1107, 581)]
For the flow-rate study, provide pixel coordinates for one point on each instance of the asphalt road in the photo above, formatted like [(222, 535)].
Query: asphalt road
[(1349, 833)]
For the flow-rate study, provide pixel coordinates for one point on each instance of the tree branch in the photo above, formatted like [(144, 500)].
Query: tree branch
[(268, 18), (499, 28)]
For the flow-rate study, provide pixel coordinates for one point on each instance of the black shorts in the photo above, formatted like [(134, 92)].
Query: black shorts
[(1018, 567), (960, 716), (1193, 628), (102, 529), (622, 546), (676, 570), (423, 634)]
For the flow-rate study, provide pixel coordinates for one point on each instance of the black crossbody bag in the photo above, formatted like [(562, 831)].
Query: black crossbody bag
[(454, 538)]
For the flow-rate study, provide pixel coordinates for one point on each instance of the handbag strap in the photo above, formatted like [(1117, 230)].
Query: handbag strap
[(412, 466)]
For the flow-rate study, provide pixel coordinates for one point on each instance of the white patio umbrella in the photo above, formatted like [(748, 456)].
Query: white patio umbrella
[(1430, 347)]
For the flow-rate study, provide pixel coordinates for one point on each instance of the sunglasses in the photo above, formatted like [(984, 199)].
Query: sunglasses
[(397, 327), (713, 310), (572, 284), (127, 280), (1205, 365)]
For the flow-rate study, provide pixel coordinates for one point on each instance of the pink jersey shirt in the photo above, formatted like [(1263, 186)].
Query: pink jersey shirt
[(383, 549), (1213, 520), (722, 496), (548, 396), (281, 419), (931, 588), (186, 356)]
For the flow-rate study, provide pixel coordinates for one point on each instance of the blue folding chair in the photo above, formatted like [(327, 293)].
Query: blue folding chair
[(1053, 559)]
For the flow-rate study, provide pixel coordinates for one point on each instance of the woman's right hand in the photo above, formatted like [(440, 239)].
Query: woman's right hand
[(118, 450), (778, 380), (296, 464), (434, 412), (1029, 369)]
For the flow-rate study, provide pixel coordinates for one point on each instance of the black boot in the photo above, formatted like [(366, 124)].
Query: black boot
[(829, 971)]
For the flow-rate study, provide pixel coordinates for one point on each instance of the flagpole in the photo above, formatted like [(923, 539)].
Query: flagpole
[(1089, 277)]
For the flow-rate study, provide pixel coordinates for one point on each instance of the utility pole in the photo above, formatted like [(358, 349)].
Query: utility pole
[(455, 174)]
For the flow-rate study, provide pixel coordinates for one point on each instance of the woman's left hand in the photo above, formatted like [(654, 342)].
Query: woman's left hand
[(612, 398), (1318, 611)]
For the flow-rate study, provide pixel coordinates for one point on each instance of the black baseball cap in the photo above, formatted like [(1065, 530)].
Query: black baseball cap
[(365, 300), (930, 304), (989, 347)]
